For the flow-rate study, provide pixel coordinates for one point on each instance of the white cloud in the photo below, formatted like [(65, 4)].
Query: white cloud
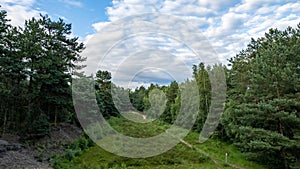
[(150, 41), (228, 25), (252, 5), (98, 26), (216, 5), (72, 3), (20, 10), (231, 21), (290, 20)]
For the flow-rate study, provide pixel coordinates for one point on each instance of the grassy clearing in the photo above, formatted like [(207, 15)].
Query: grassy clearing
[(181, 156), (217, 149)]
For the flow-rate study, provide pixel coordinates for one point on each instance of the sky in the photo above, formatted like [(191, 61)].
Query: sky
[(168, 53)]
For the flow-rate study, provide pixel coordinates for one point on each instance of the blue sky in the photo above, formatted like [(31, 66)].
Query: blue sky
[(227, 24), (82, 14)]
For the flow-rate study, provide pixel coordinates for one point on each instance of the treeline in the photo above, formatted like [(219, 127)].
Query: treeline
[(262, 111), (36, 65), (140, 97)]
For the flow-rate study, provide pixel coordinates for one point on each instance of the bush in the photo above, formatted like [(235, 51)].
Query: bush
[(73, 150), (40, 126), (70, 154), (83, 143)]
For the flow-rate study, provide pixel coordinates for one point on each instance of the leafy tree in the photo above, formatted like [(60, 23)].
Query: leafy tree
[(157, 100), (121, 98), (202, 78), (217, 80), (137, 98), (84, 99)]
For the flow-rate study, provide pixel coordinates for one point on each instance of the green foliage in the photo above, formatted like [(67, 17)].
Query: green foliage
[(262, 115), (262, 110), (40, 126), (202, 78), (80, 144), (181, 156), (73, 150), (157, 100), (50, 62), (12, 75), (137, 98), (103, 94), (41, 150), (37, 62), (70, 154), (173, 103)]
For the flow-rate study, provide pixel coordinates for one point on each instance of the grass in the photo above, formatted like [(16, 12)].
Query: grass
[(217, 149), (180, 156)]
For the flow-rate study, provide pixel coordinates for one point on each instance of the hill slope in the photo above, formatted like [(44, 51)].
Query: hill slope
[(187, 154)]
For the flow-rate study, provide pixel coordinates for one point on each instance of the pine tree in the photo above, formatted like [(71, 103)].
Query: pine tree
[(12, 74), (51, 56), (4, 89), (36, 67), (171, 111), (265, 120), (103, 94)]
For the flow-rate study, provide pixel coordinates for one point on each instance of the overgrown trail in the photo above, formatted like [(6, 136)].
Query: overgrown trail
[(207, 155), (215, 160)]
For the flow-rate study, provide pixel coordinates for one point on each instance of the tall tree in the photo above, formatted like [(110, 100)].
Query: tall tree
[(265, 120), (103, 94), (137, 98), (36, 66), (12, 74), (202, 78), (51, 56), (4, 52), (171, 111)]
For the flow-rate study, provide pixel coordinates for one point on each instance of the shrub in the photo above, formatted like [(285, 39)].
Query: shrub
[(40, 126)]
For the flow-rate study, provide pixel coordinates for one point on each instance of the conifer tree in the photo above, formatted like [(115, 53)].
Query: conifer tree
[(264, 118)]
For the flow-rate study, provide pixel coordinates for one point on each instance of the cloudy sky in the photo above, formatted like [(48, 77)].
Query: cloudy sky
[(140, 48)]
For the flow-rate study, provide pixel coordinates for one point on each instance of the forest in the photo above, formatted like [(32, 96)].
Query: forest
[(262, 111)]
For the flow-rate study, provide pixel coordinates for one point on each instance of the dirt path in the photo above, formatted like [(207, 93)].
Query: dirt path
[(138, 113), (207, 155)]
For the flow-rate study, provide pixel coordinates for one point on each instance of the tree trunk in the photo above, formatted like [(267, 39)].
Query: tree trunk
[(283, 152), (4, 122), (55, 117)]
